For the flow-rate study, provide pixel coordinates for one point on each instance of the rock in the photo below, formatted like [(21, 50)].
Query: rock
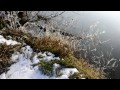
[(23, 21), (21, 14), (23, 18)]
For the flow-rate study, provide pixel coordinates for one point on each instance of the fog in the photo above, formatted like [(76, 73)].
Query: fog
[(108, 24), (109, 21)]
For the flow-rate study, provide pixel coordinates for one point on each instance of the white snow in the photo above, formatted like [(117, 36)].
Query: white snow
[(82, 78), (35, 59), (15, 56), (27, 51), (23, 66), (66, 72), (47, 56), (55, 66), (8, 42), (2, 76)]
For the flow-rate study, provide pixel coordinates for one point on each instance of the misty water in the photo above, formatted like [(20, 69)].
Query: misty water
[(108, 24)]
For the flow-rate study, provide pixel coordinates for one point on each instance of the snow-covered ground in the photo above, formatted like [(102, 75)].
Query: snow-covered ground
[(23, 64), (8, 42)]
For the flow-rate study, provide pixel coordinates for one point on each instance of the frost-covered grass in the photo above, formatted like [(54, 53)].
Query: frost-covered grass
[(46, 57)]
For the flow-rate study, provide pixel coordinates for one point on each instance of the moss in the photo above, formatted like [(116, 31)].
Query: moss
[(46, 67)]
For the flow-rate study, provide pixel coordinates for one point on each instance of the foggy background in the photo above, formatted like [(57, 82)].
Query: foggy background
[(108, 24)]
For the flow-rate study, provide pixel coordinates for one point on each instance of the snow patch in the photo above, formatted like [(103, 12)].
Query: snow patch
[(2, 76), (47, 56), (68, 71), (8, 42), (23, 66)]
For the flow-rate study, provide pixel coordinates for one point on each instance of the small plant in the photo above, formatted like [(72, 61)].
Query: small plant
[(46, 67)]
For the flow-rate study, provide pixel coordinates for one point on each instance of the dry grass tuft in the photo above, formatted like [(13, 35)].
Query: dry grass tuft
[(5, 53), (88, 70), (54, 45)]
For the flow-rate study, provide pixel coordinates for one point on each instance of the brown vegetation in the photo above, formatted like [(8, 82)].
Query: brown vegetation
[(5, 53), (60, 47)]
